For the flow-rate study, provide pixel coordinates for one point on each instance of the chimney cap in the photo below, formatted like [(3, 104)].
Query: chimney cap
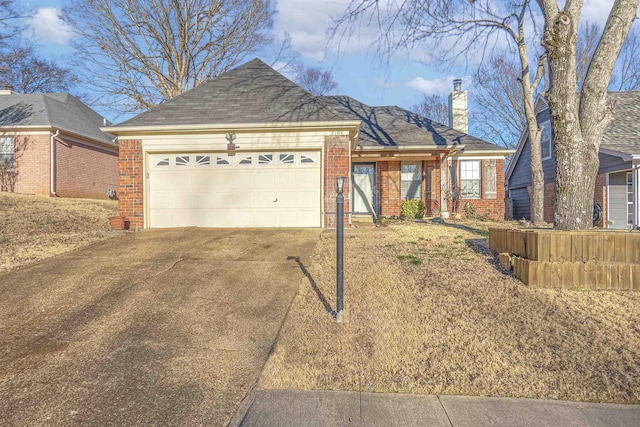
[(457, 85)]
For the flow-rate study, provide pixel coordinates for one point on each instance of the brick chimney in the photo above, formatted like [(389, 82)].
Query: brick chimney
[(458, 110)]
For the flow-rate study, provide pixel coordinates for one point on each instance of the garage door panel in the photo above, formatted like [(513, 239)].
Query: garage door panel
[(232, 195)]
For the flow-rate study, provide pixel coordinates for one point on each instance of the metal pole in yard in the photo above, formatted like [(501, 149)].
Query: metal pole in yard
[(339, 247)]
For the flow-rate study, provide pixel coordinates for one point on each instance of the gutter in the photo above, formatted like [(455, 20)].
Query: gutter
[(52, 167)]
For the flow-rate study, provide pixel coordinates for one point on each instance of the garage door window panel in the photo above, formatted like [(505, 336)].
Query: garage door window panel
[(182, 160), (203, 160), (222, 161), (309, 158), (265, 159), (287, 159)]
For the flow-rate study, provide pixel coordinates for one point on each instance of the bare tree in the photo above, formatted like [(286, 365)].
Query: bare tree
[(467, 30), (588, 36), (24, 71), (627, 70), (500, 116), (434, 107), (142, 52), (316, 81), (9, 15)]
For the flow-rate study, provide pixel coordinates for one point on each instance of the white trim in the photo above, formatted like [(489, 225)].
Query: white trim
[(624, 156), (606, 222), (411, 147), (456, 157), (223, 128), (492, 154)]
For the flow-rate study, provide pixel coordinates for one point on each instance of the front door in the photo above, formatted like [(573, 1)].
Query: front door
[(363, 187)]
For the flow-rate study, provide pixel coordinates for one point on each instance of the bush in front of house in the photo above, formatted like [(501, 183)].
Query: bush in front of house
[(413, 209)]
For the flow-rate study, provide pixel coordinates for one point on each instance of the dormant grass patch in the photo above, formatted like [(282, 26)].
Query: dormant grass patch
[(33, 228), (428, 311)]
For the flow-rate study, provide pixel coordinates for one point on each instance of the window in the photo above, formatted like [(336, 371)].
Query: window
[(203, 160), (265, 159), (222, 161), (182, 160), (470, 179), (163, 162), (286, 159), (245, 160), (411, 180), (7, 151), (308, 158), (545, 141)]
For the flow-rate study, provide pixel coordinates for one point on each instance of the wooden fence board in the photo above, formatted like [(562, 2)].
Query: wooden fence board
[(576, 247), (609, 248)]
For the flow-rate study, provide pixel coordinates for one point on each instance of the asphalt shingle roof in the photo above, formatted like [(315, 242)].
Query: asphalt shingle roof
[(250, 93), (623, 133), (393, 126), (255, 93), (59, 110)]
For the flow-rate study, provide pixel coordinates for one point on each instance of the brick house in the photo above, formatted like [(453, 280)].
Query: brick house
[(616, 189), (51, 144), (250, 148)]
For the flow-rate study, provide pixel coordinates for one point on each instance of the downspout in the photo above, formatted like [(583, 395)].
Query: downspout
[(52, 167)]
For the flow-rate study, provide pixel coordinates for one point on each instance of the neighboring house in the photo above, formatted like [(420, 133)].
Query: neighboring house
[(249, 148), (51, 144), (616, 189)]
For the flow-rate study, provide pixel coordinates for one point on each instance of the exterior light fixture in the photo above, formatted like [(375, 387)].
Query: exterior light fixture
[(231, 146), (340, 182)]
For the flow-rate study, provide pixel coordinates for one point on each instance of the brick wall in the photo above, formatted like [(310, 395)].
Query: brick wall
[(489, 208), (431, 182), (84, 171), (336, 163), (32, 160), (131, 182), (390, 187)]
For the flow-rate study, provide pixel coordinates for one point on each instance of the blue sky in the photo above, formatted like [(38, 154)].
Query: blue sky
[(356, 69)]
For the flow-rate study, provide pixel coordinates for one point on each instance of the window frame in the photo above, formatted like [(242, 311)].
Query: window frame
[(418, 173), (463, 172), (549, 142), (8, 154)]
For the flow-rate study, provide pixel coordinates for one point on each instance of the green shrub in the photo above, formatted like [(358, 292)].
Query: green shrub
[(413, 209)]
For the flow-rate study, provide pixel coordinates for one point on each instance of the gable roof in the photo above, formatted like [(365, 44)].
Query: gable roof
[(621, 137), (392, 126), (255, 93), (56, 110), (250, 93)]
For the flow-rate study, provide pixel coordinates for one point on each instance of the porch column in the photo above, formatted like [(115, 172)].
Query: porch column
[(444, 186)]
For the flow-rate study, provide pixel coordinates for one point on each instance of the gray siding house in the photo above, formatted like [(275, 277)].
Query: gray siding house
[(618, 180)]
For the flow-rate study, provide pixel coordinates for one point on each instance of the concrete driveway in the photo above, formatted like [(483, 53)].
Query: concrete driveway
[(162, 327)]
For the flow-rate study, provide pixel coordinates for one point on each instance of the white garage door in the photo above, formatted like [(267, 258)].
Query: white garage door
[(279, 189)]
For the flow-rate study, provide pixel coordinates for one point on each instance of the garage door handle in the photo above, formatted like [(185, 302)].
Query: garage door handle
[(275, 200)]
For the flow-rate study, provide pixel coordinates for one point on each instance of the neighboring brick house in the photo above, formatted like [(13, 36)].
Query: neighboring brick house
[(250, 148), (51, 144), (616, 189)]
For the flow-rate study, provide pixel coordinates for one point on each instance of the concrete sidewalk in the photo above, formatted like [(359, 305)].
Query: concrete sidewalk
[(339, 408)]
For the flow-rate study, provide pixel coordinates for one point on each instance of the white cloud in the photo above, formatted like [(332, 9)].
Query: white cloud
[(308, 22), (441, 86), (47, 27)]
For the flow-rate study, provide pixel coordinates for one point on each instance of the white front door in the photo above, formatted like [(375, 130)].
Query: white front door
[(271, 189), (363, 188)]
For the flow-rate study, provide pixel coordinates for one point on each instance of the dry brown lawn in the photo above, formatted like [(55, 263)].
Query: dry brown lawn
[(427, 311), (33, 228)]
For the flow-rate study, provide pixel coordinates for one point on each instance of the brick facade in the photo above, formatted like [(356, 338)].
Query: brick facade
[(389, 184), (84, 171), (131, 182), (32, 163), (81, 170), (337, 162)]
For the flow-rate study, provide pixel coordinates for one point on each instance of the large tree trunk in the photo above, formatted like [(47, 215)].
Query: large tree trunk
[(578, 121)]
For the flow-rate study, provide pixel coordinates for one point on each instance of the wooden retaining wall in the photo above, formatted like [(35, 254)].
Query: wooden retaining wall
[(585, 260), (560, 246)]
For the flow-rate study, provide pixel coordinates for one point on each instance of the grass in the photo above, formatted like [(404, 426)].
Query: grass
[(452, 323), (33, 228)]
